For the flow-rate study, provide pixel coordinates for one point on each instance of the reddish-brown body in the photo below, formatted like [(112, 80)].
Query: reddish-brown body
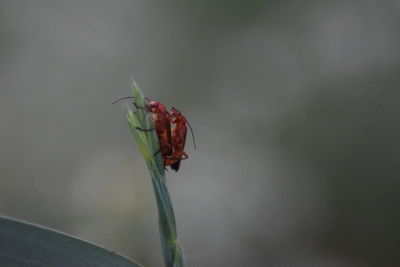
[(171, 140), (162, 124), (178, 134)]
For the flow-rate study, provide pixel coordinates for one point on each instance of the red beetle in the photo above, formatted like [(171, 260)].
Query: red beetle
[(172, 140), (162, 124), (179, 131)]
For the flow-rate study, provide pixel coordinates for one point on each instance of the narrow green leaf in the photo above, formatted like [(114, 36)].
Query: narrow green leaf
[(149, 146), (26, 245)]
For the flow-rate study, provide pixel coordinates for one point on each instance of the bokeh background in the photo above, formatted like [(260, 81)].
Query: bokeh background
[(295, 106)]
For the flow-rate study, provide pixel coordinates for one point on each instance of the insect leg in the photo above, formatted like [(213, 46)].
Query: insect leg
[(176, 159), (163, 147), (184, 156), (158, 151), (145, 130), (137, 106), (129, 97)]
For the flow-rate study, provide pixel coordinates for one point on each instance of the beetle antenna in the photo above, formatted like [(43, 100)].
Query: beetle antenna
[(191, 131), (122, 98)]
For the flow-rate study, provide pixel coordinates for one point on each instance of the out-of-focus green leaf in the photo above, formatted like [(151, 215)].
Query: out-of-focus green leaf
[(23, 244)]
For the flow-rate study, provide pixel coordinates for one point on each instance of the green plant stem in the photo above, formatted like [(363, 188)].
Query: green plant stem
[(172, 250), (148, 144)]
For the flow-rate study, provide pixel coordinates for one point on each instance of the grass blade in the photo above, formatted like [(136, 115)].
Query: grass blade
[(148, 145), (25, 245)]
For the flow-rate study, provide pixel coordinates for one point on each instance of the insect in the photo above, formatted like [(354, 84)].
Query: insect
[(178, 134), (171, 139), (162, 125), (161, 122)]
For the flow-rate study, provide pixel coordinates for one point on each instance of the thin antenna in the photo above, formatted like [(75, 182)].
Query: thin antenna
[(122, 98), (191, 130)]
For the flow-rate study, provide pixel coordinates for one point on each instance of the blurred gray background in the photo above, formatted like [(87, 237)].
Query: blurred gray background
[(295, 106)]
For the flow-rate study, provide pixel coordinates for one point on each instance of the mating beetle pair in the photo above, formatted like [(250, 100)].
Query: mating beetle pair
[(171, 129)]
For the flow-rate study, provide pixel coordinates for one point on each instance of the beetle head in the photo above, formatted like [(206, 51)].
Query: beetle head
[(176, 113), (156, 107)]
